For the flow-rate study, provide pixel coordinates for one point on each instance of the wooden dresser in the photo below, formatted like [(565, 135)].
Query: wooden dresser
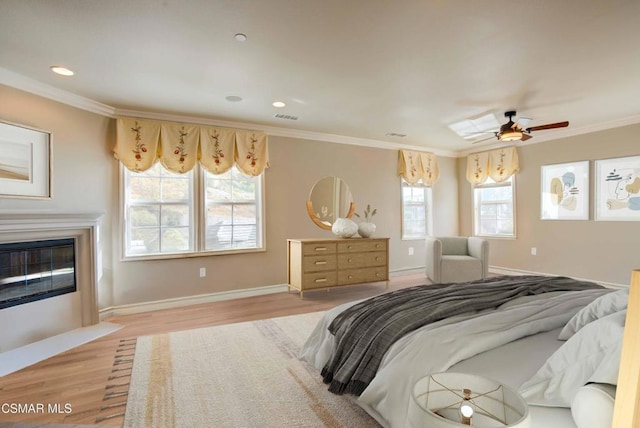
[(323, 263)]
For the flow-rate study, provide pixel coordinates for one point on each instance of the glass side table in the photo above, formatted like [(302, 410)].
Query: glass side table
[(448, 400)]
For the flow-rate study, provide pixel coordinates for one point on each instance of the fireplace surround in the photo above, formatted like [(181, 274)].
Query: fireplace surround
[(37, 320)]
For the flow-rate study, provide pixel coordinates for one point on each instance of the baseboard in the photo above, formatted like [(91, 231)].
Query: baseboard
[(406, 271), (509, 271), (155, 305)]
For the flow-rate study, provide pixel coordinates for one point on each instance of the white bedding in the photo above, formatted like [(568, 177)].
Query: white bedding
[(439, 346)]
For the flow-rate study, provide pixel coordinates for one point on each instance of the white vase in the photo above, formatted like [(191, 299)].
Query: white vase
[(344, 228), (366, 230)]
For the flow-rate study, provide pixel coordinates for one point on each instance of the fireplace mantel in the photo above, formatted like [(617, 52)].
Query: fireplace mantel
[(22, 226)]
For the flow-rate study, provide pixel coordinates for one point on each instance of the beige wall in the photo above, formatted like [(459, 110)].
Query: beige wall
[(86, 178), (295, 167), (84, 173), (601, 251)]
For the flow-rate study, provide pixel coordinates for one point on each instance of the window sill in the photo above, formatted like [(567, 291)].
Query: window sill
[(191, 255)]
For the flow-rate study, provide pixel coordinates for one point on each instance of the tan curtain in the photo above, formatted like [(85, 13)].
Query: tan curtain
[(503, 163), (251, 154), (499, 164), (217, 147), (178, 146), (414, 166), (137, 143), (430, 171)]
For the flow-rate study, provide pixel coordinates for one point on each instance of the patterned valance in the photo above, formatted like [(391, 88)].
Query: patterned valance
[(415, 166), (499, 164), (140, 143)]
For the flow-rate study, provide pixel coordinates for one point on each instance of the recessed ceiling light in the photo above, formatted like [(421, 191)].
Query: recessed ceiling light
[(240, 37), (278, 104), (63, 71), (233, 98)]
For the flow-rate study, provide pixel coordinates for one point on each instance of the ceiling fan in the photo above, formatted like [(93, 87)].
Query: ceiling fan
[(512, 131)]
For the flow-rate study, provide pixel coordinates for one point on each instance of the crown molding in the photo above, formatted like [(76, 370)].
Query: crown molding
[(27, 84), (284, 132)]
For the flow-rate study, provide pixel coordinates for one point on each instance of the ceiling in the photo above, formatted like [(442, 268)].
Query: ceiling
[(358, 68)]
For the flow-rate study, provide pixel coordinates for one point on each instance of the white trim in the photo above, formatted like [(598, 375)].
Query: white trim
[(177, 302), (407, 271), (19, 358), (27, 84), (509, 271)]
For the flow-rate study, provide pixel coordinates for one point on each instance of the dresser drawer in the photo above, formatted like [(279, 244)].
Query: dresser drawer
[(361, 260), (354, 276), (319, 263), (358, 246), (319, 279), (317, 248)]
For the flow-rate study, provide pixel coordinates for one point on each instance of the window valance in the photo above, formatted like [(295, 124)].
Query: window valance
[(140, 143), (414, 166), (499, 164)]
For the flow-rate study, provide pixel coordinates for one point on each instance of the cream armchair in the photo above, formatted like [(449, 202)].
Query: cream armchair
[(457, 259)]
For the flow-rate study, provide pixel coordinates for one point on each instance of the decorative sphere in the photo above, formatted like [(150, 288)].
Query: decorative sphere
[(344, 228)]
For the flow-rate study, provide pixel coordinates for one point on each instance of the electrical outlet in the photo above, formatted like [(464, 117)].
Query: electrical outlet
[(534, 251), (411, 251), (203, 272)]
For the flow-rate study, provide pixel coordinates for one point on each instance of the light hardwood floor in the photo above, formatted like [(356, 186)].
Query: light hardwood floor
[(80, 376)]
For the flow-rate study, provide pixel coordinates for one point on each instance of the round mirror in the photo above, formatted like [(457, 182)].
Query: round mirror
[(330, 199)]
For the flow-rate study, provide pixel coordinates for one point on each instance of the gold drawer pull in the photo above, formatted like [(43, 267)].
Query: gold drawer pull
[(377, 245), (321, 280), (349, 247), (348, 260), (377, 273), (321, 263), (377, 259), (320, 248), (350, 277)]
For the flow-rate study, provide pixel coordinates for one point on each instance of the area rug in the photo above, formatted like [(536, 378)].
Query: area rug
[(235, 375)]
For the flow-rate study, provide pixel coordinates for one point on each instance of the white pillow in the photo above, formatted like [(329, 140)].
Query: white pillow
[(590, 355), (592, 406), (610, 303)]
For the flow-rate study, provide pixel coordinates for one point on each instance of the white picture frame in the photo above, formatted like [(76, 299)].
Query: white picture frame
[(618, 189), (564, 191), (25, 162)]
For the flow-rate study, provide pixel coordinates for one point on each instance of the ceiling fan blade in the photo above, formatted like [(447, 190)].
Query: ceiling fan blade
[(522, 123), (525, 137), (548, 126), (484, 139)]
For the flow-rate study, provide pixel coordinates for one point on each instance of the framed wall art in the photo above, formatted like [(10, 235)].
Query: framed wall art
[(618, 189), (25, 162), (565, 191)]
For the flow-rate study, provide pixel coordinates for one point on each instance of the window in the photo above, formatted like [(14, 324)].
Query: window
[(163, 212), (493, 208), (416, 210)]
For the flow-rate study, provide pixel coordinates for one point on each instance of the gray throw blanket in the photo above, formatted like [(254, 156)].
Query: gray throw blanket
[(364, 332)]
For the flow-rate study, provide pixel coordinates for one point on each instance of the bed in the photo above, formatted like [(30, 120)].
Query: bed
[(509, 331)]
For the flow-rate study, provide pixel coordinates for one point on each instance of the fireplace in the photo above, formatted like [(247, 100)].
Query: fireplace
[(36, 320), (36, 270)]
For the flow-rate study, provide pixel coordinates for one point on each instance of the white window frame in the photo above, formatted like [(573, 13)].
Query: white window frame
[(475, 206), (198, 219), (428, 207)]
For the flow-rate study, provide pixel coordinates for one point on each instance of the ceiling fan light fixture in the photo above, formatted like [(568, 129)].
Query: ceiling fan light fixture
[(510, 136)]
